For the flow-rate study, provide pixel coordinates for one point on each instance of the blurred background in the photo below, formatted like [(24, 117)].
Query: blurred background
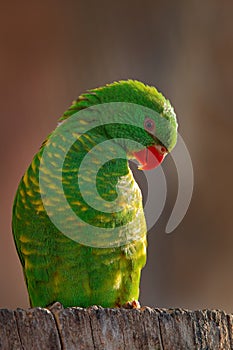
[(51, 51)]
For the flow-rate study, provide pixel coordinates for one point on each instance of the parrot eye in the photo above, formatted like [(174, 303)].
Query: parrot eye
[(149, 125)]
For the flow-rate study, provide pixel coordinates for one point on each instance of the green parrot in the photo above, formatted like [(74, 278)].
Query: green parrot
[(78, 224)]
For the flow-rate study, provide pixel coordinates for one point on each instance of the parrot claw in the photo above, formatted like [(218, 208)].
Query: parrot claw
[(55, 306), (132, 305)]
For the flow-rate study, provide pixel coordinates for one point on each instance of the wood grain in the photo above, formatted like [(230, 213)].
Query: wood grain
[(115, 329)]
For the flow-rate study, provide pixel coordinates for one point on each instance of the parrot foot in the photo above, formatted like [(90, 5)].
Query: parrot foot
[(55, 306), (132, 305)]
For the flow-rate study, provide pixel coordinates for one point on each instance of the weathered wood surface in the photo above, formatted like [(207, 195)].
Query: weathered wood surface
[(115, 329)]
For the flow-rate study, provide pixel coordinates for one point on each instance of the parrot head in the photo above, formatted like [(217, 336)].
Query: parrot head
[(156, 130), (156, 126)]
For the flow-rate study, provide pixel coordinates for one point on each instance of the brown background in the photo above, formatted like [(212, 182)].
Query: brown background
[(53, 50)]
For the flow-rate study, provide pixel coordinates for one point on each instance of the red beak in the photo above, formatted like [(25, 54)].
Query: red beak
[(151, 157)]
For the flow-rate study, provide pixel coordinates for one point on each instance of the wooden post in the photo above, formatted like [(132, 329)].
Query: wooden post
[(115, 329)]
